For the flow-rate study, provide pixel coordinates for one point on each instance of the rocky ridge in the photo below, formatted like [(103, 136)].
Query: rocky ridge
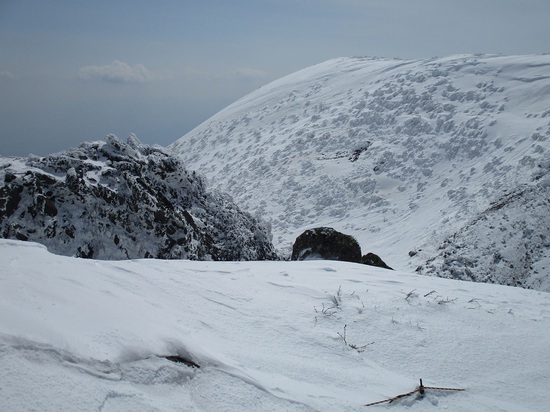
[(116, 200)]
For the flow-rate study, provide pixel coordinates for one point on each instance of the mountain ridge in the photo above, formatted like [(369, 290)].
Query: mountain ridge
[(400, 154)]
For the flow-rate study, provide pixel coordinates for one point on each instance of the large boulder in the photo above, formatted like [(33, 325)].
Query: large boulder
[(326, 243)]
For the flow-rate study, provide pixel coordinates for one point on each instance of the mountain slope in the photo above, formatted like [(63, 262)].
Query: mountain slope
[(509, 243), (403, 155), (116, 200), (92, 335)]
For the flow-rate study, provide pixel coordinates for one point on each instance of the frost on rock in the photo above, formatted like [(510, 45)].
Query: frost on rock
[(116, 200)]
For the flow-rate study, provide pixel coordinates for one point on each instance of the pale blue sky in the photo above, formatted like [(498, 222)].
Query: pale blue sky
[(74, 70)]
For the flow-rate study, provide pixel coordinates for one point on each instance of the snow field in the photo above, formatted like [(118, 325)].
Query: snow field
[(281, 336)]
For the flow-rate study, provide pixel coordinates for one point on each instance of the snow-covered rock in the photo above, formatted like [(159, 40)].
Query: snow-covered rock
[(405, 155), (116, 200)]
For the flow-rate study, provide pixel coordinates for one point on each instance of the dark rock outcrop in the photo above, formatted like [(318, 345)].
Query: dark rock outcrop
[(116, 200), (326, 243), (372, 259)]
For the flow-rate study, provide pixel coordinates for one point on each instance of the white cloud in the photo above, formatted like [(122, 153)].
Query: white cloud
[(117, 72), (6, 74)]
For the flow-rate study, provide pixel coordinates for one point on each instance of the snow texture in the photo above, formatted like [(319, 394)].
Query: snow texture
[(116, 200), (436, 165), (89, 335)]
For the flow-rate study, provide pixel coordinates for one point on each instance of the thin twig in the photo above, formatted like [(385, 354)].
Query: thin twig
[(410, 295), (444, 389), (390, 400), (343, 337)]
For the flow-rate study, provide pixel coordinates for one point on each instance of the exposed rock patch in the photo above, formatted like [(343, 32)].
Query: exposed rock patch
[(372, 259)]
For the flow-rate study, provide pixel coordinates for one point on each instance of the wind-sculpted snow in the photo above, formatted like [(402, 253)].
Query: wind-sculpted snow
[(88, 335), (115, 200), (403, 155)]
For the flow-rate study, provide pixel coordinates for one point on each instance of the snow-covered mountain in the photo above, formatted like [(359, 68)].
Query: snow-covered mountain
[(88, 335), (116, 200), (437, 165)]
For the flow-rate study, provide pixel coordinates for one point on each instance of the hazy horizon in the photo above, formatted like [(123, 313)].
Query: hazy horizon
[(73, 71)]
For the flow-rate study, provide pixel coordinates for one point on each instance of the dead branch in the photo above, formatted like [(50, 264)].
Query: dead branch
[(421, 389)]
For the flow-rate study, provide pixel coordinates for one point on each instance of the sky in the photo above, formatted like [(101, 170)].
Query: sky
[(73, 71)]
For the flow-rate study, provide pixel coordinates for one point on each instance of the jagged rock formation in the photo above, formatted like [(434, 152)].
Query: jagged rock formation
[(115, 200), (400, 154)]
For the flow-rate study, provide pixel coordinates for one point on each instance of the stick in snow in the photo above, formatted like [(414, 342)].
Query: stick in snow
[(420, 389)]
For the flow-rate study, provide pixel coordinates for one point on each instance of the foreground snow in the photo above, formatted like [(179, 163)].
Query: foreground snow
[(91, 335)]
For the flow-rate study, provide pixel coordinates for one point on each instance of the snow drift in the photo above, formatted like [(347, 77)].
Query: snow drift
[(88, 335), (408, 156)]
